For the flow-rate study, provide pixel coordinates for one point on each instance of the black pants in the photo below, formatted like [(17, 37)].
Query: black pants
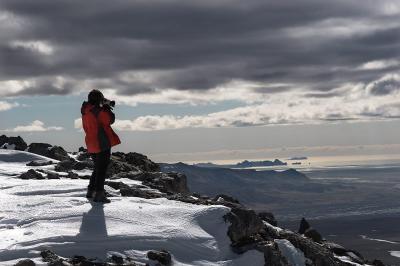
[(101, 161)]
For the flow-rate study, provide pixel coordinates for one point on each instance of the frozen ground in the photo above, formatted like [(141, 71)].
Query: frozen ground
[(54, 214)]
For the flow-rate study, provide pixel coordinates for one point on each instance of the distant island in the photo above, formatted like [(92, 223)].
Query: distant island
[(243, 164), (300, 158)]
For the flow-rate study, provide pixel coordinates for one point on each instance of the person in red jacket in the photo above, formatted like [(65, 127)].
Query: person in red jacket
[(97, 118)]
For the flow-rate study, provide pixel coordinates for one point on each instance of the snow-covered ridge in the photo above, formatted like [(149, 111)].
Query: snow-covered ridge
[(149, 211)]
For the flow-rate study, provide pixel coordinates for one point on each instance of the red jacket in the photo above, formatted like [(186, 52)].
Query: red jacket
[(97, 123)]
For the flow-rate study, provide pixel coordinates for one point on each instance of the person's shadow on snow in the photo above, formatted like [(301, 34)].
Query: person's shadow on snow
[(94, 223), (92, 236)]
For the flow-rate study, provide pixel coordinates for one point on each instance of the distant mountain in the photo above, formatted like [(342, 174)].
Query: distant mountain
[(252, 187), (244, 164)]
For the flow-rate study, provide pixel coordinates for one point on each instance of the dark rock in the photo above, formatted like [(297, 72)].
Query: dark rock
[(26, 262), (268, 217), (244, 223), (72, 175), (117, 259), (65, 165), (313, 234), (138, 160), (304, 225), (19, 143), (82, 149), (226, 198), (45, 149), (163, 256), (116, 167), (166, 182), (52, 176), (51, 258), (272, 255), (335, 248), (71, 164), (39, 163), (355, 256), (318, 254), (31, 174)]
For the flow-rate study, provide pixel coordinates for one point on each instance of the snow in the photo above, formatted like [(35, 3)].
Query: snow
[(293, 255), (8, 146), (395, 253), (55, 215)]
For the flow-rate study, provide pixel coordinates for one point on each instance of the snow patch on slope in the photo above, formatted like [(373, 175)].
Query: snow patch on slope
[(54, 214)]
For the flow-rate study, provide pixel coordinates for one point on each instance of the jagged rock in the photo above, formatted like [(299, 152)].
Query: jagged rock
[(138, 160), (308, 231), (166, 182), (335, 248), (39, 163), (45, 149), (226, 198), (304, 225), (268, 217), (317, 253), (272, 255), (355, 256), (51, 258), (244, 223), (313, 234), (31, 174), (71, 164), (19, 143), (117, 167), (26, 262), (163, 256), (117, 259)]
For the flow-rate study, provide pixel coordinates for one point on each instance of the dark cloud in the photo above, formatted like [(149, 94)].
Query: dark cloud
[(196, 44), (384, 87)]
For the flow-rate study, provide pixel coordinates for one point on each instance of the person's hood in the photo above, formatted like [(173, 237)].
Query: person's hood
[(86, 107)]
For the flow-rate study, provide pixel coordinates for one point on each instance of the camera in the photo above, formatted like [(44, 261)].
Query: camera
[(108, 102)]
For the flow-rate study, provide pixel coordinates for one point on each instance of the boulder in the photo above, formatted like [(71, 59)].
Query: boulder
[(163, 256), (26, 262), (51, 175), (166, 182), (138, 160), (71, 164), (17, 142), (313, 234), (39, 163), (117, 167), (72, 175), (45, 149), (243, 224), (268, 217), (51, 258), (31, 174)]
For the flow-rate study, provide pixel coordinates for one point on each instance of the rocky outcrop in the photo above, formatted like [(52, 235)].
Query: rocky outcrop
[(53, 259), (39, 163), (268, 217), (163, 257), (26, 262), (44, 149), (71, 164), (244, 223), (17, 142), (139, 160), (308, 231), (31, 174)]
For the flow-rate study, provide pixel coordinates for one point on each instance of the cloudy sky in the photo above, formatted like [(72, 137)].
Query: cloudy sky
[(198, 80)]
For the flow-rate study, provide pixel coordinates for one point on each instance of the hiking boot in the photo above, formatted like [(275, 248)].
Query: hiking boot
[(89, 194), (100, 196)]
